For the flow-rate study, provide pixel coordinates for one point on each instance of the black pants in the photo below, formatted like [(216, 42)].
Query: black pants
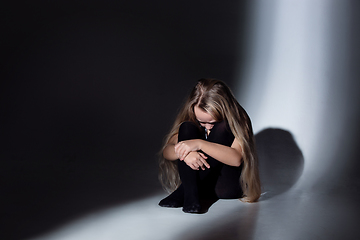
[(218, 181)]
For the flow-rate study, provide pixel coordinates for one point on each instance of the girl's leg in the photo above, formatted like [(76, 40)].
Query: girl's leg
[(227, 185), (220, 134), (188, 190), (188, 176)]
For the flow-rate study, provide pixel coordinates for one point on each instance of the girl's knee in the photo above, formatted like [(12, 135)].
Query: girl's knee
[(221, 133), (189, 130)]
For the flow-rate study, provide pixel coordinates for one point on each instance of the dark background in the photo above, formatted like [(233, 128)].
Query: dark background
[(88, 91)]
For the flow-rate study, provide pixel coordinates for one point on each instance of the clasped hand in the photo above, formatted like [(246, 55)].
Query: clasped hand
[(187, 151)]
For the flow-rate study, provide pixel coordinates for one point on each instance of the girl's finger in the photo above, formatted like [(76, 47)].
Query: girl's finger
[(205, 163)]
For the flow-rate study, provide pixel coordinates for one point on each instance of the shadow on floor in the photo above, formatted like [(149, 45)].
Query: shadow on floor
[(240, 223), (281, 161)]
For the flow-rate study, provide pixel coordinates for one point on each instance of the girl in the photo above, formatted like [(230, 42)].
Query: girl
[(210, 150)]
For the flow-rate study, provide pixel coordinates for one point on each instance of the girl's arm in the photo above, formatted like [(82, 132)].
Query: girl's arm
[(228, 155), (169, 150), (195, 161)]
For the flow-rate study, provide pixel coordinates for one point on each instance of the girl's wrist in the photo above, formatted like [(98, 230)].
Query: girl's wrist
[(200, 144)]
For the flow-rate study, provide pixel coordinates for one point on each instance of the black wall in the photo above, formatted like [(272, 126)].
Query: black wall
[(89, 89)]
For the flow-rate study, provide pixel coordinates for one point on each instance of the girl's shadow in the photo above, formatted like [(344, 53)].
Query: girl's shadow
[(281, 162)]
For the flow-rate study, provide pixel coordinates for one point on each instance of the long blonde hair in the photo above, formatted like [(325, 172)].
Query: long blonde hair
[(215, 98)]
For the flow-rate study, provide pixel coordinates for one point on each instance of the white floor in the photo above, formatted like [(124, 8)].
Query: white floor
[(295, 214)]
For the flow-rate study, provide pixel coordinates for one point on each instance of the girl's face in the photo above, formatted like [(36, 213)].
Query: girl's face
[(204, 118)]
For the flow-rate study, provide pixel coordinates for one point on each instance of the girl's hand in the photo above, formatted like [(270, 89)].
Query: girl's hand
[(196, 160), (182, 149)]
